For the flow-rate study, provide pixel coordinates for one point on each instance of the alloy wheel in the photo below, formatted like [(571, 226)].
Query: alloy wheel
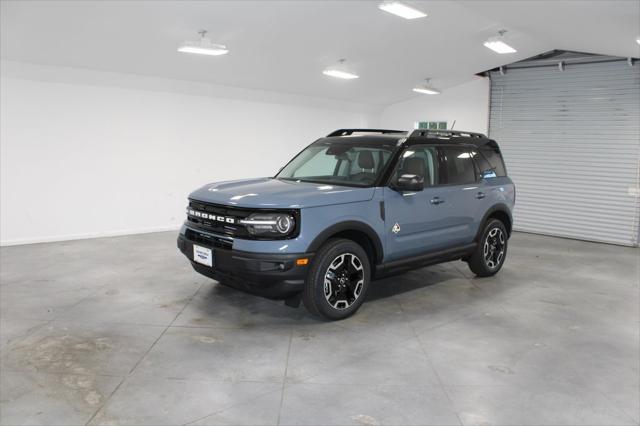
[(494, 248), (343, 281)]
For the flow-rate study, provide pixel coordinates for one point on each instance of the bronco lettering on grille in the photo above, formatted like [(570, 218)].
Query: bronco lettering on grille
[(204, 215)]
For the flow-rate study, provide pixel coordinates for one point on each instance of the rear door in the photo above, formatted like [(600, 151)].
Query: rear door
[(462, 195), (488, 173), (416, 222)]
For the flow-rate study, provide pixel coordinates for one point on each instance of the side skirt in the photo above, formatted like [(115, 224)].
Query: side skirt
[(403, 265)]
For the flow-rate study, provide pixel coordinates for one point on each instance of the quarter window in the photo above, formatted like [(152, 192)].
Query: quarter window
[(484, 167), (494, 157)]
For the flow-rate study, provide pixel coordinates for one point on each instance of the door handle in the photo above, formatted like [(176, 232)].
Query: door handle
[(436, 200), (480, 195)]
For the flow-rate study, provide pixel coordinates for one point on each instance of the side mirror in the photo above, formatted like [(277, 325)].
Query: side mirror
[(409, 183)]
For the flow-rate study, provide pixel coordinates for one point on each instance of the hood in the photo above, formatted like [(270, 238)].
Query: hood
[(275, 193)]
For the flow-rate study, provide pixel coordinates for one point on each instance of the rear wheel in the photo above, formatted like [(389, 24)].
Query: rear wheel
[(491, 251), (338, 280)]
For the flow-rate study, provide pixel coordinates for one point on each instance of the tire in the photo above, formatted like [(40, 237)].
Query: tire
[(491, 251), (345, 267)]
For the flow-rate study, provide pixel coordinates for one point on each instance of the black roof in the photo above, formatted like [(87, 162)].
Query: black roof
[(349, 132), (420, 136)]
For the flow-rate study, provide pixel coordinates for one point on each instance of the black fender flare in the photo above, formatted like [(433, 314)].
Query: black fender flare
[(349, 225), (500, 207)]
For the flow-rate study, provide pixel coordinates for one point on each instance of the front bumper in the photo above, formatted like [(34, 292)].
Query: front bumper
[(275, 276)]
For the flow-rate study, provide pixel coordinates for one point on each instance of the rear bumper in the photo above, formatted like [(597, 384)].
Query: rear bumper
[(275, 276)]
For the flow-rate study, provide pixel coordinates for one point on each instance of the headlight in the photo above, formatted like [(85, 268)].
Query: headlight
[(269, 224)]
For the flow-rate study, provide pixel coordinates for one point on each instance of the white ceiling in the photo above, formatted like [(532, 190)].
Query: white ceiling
[(284, 45)]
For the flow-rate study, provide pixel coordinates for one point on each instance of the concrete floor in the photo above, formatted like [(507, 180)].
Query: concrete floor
[(122, 331)]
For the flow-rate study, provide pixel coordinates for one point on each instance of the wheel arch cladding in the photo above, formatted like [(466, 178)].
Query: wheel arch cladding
[(500, 212), (359, 232)]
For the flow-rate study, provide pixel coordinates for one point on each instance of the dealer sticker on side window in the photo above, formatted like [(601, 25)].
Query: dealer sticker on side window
[(203, 255)]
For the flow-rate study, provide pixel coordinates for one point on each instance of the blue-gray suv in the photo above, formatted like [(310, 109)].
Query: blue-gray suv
[(357, 205)]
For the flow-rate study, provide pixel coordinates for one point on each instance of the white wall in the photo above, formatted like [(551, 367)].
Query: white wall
[(88, 153), (467, 104)]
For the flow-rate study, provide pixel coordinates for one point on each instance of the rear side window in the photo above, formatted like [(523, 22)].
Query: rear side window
[(458, 166), (494, 158)]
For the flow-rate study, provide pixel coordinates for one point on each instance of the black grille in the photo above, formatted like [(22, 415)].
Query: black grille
[(208, 240), (219, 227), (227, 218)]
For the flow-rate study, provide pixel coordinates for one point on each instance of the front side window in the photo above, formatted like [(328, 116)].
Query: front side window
[(458, 164), (341, 163), (421, 161)]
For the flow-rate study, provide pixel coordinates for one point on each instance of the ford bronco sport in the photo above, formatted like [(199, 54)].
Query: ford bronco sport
[(357, 205)]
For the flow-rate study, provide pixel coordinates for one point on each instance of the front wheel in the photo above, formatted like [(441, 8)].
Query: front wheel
[(489, 256), (338, 280)]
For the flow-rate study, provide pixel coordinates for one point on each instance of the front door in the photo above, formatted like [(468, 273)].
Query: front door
[(417, 222)]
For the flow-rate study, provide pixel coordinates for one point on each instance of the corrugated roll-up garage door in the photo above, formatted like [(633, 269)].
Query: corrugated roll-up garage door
[(571, 142)]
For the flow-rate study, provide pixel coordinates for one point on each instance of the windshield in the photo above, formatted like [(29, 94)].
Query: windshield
[(339, 163)]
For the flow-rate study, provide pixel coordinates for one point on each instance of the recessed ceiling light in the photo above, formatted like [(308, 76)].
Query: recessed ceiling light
[(426, 91), (401, 10), (498, 45), (339, 72), (426, 88), (204, 46)]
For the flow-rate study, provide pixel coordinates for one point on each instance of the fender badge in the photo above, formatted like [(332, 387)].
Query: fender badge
[(396, 228)]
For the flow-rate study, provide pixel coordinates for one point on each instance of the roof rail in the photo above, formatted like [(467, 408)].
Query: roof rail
[(425, 133), (347, 132)]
